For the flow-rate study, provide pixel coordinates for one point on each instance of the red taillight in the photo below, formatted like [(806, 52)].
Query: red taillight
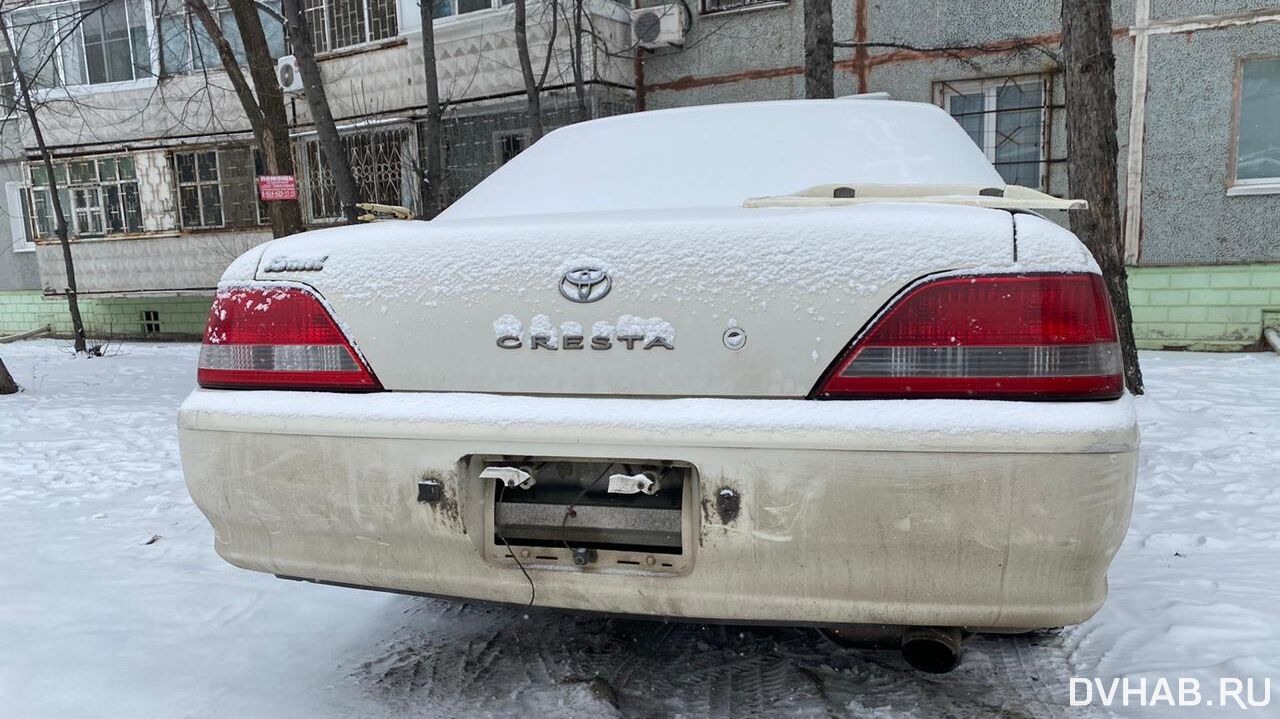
[(1046, 336), (278, 338)]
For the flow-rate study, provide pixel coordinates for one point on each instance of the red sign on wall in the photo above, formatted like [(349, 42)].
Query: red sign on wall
[(274, 188)]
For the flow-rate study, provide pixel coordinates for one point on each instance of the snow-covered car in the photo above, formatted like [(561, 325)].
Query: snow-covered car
[(806, 363)]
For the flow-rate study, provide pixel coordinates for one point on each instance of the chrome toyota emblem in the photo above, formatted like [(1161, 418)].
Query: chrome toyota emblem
[(585, 284)]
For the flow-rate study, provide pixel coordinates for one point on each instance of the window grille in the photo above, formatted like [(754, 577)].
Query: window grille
[(218, 187), (506, 145), (150, 322), (199, 189), (383, 161), (1008, 118), (98, 196), (336, 24)]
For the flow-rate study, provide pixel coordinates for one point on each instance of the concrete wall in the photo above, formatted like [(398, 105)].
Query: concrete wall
[(179, 317), (183, 262), (1188, 218), (1204, 308)]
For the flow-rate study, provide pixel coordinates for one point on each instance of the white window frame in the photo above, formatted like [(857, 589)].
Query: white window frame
[(989, 87), (20, 225), (87, 220), (1253, 185), (86, 210), (153, 56), (740, 6)]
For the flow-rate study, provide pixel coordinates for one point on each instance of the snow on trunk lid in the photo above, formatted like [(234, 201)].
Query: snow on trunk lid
[(482, 306)]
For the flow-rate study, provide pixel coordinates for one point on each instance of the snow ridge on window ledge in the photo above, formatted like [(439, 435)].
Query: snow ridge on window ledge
[(1255, 188)]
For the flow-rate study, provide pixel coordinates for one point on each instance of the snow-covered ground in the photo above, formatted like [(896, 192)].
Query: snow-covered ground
[(113, 604)]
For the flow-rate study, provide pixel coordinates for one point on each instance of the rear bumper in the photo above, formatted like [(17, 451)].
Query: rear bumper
[(998, 515)]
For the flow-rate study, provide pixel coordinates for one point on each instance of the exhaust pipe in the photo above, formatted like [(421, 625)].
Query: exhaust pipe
[(935, 650)]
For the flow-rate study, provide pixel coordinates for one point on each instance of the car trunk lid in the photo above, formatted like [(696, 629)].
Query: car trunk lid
[(727, 302)]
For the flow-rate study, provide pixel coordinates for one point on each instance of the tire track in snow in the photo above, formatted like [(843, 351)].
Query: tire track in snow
[(498, 661)]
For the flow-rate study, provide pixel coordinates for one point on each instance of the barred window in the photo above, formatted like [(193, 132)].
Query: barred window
[(382, 161), (199, 189), (508, 144), (1006, 118), (217, 187), (98, 197), (336, 24)]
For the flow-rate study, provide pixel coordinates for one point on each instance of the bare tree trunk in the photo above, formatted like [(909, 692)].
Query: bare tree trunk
[(819, 50), (271, 132), (433, 201), (7, 385), (277, 153), (60, 220), (579, 86), (1092, 149), (335, 153), (526, 70)]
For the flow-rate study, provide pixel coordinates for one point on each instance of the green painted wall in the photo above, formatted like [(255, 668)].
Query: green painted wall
[(1205, 307), (179, 317), (1199, 308)]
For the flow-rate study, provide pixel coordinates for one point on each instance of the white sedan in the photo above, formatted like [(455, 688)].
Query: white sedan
[(806, 363)]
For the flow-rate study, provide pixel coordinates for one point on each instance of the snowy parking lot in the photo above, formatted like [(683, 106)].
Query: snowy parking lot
[(113, 603)]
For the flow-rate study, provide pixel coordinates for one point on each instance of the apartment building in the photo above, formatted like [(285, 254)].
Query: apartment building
[(159, 169), (1198, 85), (155, 159)]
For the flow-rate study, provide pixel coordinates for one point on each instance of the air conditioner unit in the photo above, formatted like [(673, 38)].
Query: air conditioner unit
[(287, 74), (658, 26)]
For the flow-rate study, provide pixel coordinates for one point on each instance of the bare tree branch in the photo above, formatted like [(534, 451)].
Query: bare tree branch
[(60, 219)]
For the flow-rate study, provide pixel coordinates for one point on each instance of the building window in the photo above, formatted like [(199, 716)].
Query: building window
[(262, 210), (199, 189), (714, 6), (1006, 118), (150, 322), (218, 187), (506, 145), (449, 8), (99, 197), (382, 161), (1258, 135), (8, 86), (86, 43), (336, 24), (185, 45), (18, 200)]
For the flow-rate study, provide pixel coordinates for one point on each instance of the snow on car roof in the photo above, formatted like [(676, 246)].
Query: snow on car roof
[(720, 155)]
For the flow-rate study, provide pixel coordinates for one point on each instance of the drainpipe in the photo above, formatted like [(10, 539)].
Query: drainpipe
[(1273, 338)]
